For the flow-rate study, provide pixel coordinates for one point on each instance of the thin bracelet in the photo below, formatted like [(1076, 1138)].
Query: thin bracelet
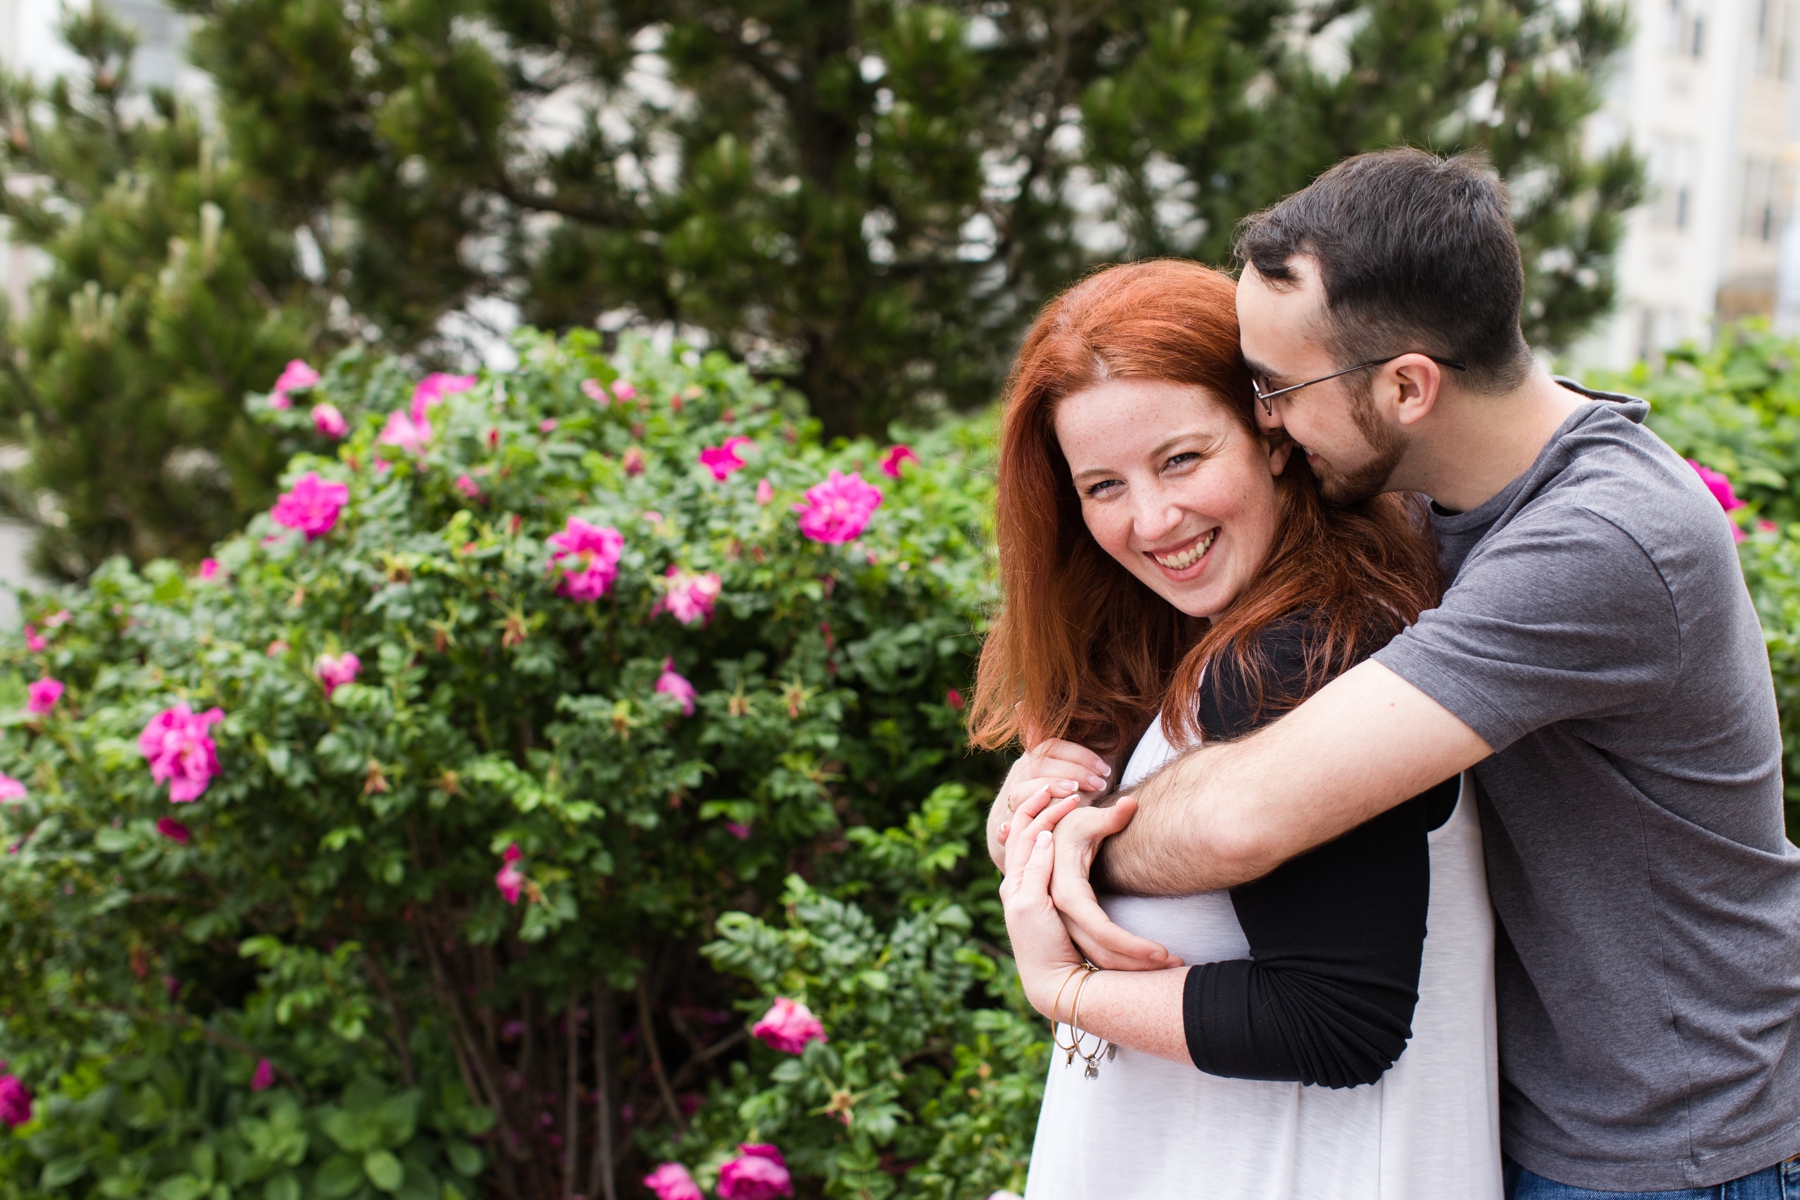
[(1092, 1059), (1075, 1014), (1057, 1003)]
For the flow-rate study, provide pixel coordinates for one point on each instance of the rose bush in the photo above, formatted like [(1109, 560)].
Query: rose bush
[(444, 834), (1734, 411)]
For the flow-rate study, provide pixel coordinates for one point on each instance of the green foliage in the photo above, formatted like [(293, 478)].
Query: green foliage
[(337, 910), (867, 201), (871, 199), (1736, 408), (172, 290)]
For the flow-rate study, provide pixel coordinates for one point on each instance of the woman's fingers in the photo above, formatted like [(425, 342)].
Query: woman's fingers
[(1046, 812), (1036, 880), (1038, 792), (1054, 756)]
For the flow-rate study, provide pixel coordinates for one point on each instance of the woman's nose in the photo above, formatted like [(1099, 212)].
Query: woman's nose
[(1154, 517)]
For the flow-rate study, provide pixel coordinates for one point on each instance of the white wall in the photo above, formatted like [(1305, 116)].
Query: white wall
[(1705, 91)]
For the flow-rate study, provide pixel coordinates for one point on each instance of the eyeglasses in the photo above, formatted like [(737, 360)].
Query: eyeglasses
[(1267, 398)]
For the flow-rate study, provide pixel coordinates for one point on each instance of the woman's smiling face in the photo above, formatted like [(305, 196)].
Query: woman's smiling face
[(1173, 486)]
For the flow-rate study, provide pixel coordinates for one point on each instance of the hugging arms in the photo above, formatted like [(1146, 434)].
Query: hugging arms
[(1227, 813)]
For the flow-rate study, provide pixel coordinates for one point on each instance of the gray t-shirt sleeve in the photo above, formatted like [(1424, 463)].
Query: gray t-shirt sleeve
[(1559, 616)]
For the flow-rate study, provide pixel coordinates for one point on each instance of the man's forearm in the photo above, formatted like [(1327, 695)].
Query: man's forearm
[(1223, 815)]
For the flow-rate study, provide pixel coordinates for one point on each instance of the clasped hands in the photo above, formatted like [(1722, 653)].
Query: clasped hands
[(1051, 832)]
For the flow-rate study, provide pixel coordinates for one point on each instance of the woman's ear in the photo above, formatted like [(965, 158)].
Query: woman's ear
[(1279, 453)]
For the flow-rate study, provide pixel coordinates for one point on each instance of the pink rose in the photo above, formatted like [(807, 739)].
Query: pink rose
[(15, 1101), (312, 506), (622, 389), (509, 879), (838, 510), (765, 491), (61, 617), (329, 421), (10, 789), (264, 1077), (690, 597), (676, 687), (433, 388), (595, 552), (407, 432), (468, 487), (634, 461), (178, 748), (671, 1181), (174, 830), (954, 699), (1719, 485), (723, 460), (788, 1027), (293, 376), (209, 570), (42, 696), (34, 641), (890, 466), (335, 670), (593, 391), (740, 832), (759, 1174)]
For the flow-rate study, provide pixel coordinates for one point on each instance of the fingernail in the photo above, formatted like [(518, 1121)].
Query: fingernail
[(1095, 783), (1063, 785), (1043, 837), (1104, 769)]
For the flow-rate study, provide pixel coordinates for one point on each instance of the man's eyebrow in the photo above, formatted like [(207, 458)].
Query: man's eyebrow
[(1257, 368)]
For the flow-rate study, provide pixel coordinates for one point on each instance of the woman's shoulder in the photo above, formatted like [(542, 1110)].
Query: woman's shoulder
[(1267, 672)]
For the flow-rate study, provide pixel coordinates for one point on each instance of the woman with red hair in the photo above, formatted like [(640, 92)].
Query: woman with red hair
[(1172, 574)]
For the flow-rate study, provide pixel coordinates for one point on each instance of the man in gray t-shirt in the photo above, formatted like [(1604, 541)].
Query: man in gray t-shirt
[(1596, 659)]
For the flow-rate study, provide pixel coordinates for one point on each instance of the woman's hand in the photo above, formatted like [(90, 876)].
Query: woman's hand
[(1066, 768), (1054, 760), (1040, 944)]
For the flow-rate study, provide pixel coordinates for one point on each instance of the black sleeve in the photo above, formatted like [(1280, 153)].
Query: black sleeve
[(1327, 994)]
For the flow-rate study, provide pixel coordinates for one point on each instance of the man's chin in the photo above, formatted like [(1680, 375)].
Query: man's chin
[(1345, 490), (1364, 483)]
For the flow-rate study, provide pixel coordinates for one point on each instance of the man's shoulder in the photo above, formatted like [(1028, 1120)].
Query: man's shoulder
[(1610, 466)]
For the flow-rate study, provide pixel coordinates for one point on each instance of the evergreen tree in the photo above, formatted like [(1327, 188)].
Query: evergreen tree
[(867, 199), (871, 197), (172, 290)]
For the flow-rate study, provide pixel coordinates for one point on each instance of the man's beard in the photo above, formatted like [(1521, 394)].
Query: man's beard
[(1370, 479)]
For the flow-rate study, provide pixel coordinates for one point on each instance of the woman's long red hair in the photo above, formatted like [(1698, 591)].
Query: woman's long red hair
[(1081, 649)]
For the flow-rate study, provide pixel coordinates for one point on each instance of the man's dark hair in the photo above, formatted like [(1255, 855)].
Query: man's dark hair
[(1416, 253)]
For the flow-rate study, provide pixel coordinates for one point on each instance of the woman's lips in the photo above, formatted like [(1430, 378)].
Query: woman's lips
[(1184, 563)]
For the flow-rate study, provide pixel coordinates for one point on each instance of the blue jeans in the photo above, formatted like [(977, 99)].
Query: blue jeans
[(1779, 1182)]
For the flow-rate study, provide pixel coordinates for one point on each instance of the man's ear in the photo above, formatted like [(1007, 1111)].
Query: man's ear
[(1418, 383), (1280, 450)]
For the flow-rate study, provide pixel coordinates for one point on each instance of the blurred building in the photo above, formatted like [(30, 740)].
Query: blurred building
[(29, 44), (1707, 92)]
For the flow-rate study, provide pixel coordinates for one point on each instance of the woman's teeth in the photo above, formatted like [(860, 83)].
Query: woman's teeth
[(1190, 556)]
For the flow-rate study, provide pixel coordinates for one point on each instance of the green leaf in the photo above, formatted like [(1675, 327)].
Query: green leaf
[(338, 1177), (183, 1187), (383, 1170), (60, 1172), (465, 1158), (285, 1186)]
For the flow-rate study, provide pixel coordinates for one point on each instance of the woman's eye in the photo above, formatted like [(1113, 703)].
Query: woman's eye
[(1103, 487), (1181, 460)]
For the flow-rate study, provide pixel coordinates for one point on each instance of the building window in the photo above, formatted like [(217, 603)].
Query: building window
[(1772, 24), (1686, 28), (1766, 199), (1674, 164)]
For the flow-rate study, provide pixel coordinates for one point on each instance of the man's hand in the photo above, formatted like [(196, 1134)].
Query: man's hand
[(1078, 837), (1065, 767)]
